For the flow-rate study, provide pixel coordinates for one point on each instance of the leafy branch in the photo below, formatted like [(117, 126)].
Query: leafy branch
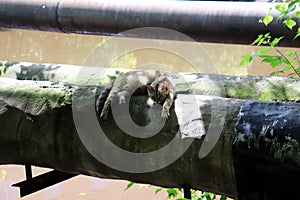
[(288, 61), (176, 193)]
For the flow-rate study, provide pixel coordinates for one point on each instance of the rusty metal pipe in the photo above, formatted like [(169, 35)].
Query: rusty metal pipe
[(221, 22)]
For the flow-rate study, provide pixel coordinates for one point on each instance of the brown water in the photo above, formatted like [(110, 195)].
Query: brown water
[(45, 47), (77, 188)]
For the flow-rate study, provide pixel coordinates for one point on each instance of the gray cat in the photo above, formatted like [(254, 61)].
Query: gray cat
[(156, 84)]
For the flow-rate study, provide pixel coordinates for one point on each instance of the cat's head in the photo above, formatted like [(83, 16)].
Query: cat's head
[(158, 92)]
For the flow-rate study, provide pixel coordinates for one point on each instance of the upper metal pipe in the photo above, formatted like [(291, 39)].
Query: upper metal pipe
[(222, 22)]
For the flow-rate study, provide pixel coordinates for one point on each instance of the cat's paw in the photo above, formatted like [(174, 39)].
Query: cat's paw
[(104, 115), (97, 106), (105, 110), (122, 100), (165, 114)]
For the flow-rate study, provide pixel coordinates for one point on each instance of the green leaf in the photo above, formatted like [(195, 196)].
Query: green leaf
[(291, 6), (276, 41), (287, 67), (223, 198), (266, 40), (280, 7), (290, 53), (263, 50), (298, 34), (158, 190), (298, 15), (286, 61), (259, 37), (289, 22), (273, 74), (273, 60), (208, 197), (280, 72), (262, 39), (246, 59), (129, 185), (283, 14), (268, 19), (172, 192)]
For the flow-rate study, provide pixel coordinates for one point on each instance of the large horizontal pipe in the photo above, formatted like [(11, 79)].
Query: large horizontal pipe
[(221, 22)]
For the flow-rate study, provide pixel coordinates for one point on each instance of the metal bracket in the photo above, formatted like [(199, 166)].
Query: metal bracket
[(187, 191), (34, 184)]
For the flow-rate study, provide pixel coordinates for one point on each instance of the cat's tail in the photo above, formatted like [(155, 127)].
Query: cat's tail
[(103, 96)]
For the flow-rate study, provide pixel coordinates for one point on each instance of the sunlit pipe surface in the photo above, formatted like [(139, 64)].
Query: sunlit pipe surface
[(221, 22)]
